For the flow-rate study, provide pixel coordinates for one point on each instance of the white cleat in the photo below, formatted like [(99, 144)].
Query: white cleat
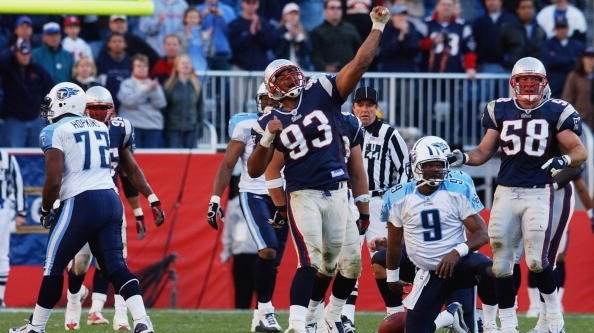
[(96, 318), (27, 328), (268, 323), (532, 312), (255, 320), (458, 325), (120, 321)]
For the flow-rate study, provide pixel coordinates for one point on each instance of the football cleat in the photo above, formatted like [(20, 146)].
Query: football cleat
[(27, 328), (458, 325), (311, 328), (96, 318), (73, 311), (334, 327), (348, 325), (120, 321), (143, 326), (268, 323), (532, 312)]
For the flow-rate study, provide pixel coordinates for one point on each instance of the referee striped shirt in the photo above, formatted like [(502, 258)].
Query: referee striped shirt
[(11, 182), (385, 156)]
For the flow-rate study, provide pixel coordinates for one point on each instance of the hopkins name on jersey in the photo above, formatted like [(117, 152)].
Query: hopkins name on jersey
[(528, 138), (311, 140)]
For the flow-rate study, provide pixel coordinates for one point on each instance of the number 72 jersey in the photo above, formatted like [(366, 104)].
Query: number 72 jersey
[(528, 138)]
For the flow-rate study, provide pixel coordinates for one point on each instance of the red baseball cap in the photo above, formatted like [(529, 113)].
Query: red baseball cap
[(71, 20)]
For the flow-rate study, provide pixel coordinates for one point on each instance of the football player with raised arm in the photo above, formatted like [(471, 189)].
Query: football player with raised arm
[(433, 215), (257, 208), (100, 107), (305, 130), (79, 205), (538, 136)]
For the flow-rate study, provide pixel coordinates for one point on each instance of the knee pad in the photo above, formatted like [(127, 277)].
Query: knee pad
[(534, 264), (503, 268), (267, 253), (81, 264), (349, 263)]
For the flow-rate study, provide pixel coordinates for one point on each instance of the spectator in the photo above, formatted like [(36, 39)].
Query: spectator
[(334, 42), (357, 14), (114, 65), (25, 85), (521, 38), (578, 87), (485, 30), (310, 12), (51, 56), (399, 46), (294, 43), (562, 10), (84, 73), (72, 42), (23, 30), (183, 114), (216, 18), (134, 44), (193, 38), (166, 20), (559, 55), (252, 38), (140, 102), (162, 68)]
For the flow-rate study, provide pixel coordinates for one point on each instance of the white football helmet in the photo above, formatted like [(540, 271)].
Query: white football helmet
[(422, 153), (65, 97), (529, 91), (283, 78), (99, 104), (434, 141)]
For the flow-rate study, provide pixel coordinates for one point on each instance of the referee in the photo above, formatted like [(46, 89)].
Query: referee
[(385, 156), (12, 199)]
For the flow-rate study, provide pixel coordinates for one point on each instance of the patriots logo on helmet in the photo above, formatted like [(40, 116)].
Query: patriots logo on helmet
[(66, 92)]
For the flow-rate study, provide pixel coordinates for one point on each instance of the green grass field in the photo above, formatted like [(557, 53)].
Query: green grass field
[(239, 321)]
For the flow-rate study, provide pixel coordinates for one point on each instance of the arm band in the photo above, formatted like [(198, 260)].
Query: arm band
[(362, 198), (274, 183), (392, 275), (568, 159), (138, 212), (152, 198), (462, 249)]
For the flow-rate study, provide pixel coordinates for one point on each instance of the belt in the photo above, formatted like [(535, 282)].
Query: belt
[(377, 193), (330, 186)]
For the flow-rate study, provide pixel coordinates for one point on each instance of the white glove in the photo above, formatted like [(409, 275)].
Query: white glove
[(379, 17), (457, 158), (556, 164)]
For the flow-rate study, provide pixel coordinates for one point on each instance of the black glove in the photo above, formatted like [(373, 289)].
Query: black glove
[(279, 220), (140, 227), (363, 223), (457, 158), (47, 218), (214, 209), (556, 164), (158, 213)]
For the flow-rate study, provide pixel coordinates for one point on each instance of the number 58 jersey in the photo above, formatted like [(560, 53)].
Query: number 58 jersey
[(528, 138), (85, 144)]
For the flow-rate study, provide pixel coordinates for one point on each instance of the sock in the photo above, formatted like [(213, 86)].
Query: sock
[(560, 274), (265, 308), (489, 316), (342, 286), (517, 274), (545, 281), (312, 309), (505, 292), (320, 287), (541, 323), (551, 302), (508, 318), (297, 317), (534, 297), (74, 282), (264, 278), (136, 307), (560, 293), (444, 319), (98, 301), (73, 298), (334, 309), (3, 280), (40, 317), (302, 286), (118, 303), (348, 309), (391, 299), (50, 291)]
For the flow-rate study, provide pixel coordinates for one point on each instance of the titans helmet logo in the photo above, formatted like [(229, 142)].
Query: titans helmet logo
[(64, 93)]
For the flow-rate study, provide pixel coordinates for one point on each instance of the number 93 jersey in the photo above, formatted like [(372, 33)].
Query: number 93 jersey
[(311, 139), (85, 144), (528, 138)]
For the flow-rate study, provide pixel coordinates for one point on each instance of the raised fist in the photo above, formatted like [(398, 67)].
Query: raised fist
[(379, 17)]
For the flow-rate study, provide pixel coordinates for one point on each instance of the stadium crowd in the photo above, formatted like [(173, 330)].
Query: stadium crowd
[(143, 61)]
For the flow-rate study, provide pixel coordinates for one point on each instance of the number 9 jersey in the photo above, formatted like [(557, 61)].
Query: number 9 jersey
[(528, 138)]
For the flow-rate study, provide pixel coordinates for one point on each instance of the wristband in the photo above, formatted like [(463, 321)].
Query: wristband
[(362, 198), (22, 214), (274, 183), (267, 138), (590, 212), (378, 26), (152, 198), (462, 249), (363, 216), (138, 212), (393, 275), (216, 199), (567, 159)]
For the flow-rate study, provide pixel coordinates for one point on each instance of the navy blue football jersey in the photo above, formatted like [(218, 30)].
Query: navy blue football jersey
[(311, 140), (528, 139), (448, 56), (121, 135), (350, 128)]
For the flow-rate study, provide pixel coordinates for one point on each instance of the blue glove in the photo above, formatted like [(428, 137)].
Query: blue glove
[(279, 220), (556, 164)]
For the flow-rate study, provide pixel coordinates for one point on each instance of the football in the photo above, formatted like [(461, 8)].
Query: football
[(393, 323)]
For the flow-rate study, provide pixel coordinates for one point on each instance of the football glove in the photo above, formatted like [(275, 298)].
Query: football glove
[(363, 223), (556, 164), (279, 220), (47, 218), (379, 17), (457, 158), (158, 213), (214, 210), (140, 226)]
